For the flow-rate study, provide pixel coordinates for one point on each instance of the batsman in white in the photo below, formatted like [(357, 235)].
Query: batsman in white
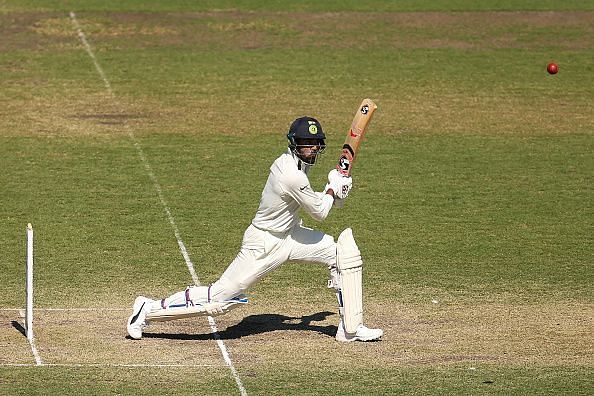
[(276, 235)]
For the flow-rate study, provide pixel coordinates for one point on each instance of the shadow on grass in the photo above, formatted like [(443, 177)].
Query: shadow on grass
[(258, 324)]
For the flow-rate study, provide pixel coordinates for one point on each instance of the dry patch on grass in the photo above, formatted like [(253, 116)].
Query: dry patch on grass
[(81, 113), (232, 29), (497, 113), (257, 25), (545, 334), (570, 30), (35, 31), (47, 31), (489, 29), (99, 337), (36, 106), (101, 115), (539, 335), (76, 113), (62, 27), (443, 112), (542, 335)]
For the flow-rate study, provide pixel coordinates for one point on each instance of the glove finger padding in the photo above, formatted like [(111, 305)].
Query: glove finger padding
[(341, 185), (346, 188)]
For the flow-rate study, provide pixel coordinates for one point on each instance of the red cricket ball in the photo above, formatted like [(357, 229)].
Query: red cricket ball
[(552, 68)]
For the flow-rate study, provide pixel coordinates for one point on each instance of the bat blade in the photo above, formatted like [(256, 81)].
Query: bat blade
[(355, 136)]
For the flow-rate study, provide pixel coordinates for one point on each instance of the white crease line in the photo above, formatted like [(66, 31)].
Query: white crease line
[(152, 176), (226, 356), (36, 356)]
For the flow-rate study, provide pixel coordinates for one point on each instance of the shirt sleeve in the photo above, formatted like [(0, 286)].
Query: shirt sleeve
[(316, 204)]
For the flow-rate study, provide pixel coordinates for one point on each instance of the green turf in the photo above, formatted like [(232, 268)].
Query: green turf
[(510, 213), (416, 381), (300, 5), (474, 187), (127, 381)]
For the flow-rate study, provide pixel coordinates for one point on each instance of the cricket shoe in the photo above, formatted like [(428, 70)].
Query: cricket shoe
[(137, 321), (362, 334)]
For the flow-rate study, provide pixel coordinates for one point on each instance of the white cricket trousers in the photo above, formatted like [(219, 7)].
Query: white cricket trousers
[(263, 251)]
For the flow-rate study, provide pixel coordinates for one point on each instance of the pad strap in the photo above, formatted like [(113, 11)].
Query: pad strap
[(213, 308)]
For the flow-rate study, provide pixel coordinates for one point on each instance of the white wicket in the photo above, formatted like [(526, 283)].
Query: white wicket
[(29, 285)]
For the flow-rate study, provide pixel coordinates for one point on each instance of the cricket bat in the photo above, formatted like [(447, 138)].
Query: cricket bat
[(355, 136)]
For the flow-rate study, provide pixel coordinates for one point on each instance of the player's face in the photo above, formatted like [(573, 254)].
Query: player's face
[(309, 149)]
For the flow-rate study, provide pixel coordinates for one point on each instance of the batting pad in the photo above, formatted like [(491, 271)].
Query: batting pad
[(350, 268), (212, 308)]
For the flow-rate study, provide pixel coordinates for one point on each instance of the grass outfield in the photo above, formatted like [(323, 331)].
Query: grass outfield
[(472, 203)]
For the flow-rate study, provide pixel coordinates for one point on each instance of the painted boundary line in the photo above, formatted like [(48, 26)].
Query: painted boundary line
[(157, 186)]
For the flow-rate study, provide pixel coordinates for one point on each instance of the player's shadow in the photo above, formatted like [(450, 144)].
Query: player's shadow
[(19, 327), (257, 324)]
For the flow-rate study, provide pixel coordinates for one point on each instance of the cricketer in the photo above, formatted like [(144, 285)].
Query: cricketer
[(275, 236)]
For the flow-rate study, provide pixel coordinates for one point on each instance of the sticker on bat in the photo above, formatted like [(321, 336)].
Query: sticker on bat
[(344, 164), (345, 160), (365, 109)]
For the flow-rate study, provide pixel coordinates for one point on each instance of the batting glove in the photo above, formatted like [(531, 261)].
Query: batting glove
[(341, 185)]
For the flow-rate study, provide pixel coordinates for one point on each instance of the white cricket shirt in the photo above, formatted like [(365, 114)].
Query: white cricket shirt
[(286, 191)]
